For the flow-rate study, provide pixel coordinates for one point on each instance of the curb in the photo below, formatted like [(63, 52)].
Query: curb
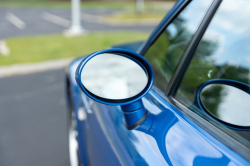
[(28, 68)]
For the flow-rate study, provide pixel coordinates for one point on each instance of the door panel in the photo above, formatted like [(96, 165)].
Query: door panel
[(108, 120), (175, 139), (99, 150)]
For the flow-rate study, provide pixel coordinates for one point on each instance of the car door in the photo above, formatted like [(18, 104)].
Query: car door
[(179, 135)]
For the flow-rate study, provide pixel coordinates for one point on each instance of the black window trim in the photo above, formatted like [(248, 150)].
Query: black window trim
[(161, 27), (189, 53)]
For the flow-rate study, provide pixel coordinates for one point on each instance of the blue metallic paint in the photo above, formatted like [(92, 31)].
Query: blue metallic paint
[(181, 141), (173, 139), (76, 104), (134, 118)]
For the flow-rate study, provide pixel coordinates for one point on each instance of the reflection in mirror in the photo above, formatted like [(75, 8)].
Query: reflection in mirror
[(113, 76), (227, 103)]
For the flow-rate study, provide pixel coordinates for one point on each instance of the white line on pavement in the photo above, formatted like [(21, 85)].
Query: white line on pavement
[(15, 21), (56, 19)]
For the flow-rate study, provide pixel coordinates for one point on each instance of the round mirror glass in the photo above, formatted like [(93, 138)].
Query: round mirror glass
[(227, 103), (113, 76)]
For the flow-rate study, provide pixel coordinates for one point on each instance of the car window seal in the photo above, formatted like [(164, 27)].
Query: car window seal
[(189, 53)]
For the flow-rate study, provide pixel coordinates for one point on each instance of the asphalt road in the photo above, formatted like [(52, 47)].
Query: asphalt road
[(33, 120), (32, 21)]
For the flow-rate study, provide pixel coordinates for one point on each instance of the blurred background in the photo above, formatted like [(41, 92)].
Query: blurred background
[(38, 39)]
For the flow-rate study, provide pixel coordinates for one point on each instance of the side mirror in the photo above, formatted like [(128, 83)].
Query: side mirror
[(117, 77), (225, 102)]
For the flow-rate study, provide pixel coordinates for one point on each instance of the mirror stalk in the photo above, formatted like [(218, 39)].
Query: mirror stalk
[(134, 114)]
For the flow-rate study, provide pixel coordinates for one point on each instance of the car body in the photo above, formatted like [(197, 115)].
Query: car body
[(184, 136)]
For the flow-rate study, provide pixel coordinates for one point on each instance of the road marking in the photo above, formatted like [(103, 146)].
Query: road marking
[(56, 19), (15, 21)]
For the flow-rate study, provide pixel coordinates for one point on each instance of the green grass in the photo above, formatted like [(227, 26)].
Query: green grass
[(49, 47), (67, 4), (135, 16)]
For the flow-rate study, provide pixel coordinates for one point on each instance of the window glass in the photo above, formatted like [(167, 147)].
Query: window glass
[(166, 52), (223, 53)]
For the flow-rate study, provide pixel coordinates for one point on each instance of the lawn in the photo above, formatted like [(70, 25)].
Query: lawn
[(50, 47), (135, 17), (84, 4), (67, 4)]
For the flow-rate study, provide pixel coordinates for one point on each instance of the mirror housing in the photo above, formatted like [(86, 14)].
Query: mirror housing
[(133, 109)]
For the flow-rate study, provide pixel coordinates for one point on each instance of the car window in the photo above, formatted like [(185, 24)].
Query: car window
[(223, 53), (165, 53)]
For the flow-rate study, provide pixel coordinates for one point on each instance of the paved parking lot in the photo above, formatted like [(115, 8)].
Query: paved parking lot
[(33, 21), (33, 120)]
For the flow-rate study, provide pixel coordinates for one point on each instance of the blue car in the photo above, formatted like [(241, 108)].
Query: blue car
[(180, 98)]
